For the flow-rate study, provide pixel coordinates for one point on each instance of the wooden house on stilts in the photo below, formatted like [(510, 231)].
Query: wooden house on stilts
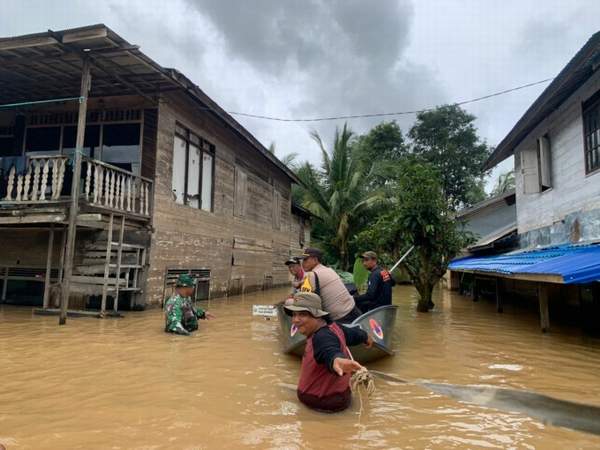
[(117, 174)]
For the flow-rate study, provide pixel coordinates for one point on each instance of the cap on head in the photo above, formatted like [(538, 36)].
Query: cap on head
[(185, 280), (311, 251), (369, 255), (294, 260), (306, 301)]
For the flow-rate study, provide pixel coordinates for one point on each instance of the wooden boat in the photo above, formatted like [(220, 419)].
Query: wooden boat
[(379, 323)]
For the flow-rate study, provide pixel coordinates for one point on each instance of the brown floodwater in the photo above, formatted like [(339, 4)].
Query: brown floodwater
[(125, 384)]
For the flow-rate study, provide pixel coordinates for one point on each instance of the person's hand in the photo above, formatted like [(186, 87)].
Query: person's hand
[(369, 342), (208, 316), (343, 365)]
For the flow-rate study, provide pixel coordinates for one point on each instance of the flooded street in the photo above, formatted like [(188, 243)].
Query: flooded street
[(125, 384)]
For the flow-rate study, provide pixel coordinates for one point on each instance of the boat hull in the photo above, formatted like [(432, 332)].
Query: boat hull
[(379, 323)]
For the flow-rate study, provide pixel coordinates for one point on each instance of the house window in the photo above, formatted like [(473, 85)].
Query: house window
[(193, 170), (276, 210), (591, 135), (241, 189), (544, 156), (118, 144), (121, 146), (44, 140), (536, 167)]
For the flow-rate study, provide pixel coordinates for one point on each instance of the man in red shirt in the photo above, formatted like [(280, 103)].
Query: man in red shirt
[(324, 383)]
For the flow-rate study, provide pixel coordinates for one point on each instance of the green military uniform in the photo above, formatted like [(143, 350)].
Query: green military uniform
[(181, 316)]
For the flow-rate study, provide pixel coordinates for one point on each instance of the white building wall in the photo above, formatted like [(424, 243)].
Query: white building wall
[(572, 190)]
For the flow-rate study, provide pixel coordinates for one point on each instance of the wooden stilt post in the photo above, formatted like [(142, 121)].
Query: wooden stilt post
[(544, 314), (48, 268), (119, 256), (5, 284), (499, 306), (73, 210), (107, 264), (475, 290), (61, 262)]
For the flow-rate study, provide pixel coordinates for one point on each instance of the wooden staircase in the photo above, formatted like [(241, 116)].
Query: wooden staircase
[(107, 266)]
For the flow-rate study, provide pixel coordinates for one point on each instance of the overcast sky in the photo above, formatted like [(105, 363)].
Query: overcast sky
[(309, 58)]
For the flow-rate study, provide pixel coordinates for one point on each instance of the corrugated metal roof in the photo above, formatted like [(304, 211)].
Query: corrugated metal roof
[(576, 264)]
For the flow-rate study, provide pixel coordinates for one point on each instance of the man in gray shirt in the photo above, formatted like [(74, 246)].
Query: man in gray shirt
[(326, 283)]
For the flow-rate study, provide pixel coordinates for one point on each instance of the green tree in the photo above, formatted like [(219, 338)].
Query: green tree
[(447, 138), (337, 194), (505, 183), (420, 216), (379, 150)]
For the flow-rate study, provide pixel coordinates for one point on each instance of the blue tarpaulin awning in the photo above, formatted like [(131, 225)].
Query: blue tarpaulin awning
[(573, 264)]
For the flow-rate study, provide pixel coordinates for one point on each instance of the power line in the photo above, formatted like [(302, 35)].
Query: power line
[(399, 113)]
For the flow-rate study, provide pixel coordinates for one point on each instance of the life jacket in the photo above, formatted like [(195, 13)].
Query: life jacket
[(319, 388)]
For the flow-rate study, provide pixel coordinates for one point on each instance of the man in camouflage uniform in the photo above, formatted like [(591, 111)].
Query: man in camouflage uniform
[(181, 316)]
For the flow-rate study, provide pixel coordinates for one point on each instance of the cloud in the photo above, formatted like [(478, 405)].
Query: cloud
[(323, 58)]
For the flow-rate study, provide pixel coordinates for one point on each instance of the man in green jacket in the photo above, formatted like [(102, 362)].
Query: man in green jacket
[(181, 317)]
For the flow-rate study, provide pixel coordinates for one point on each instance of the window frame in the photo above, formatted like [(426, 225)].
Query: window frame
[(94, 118), (189, 137), (589, 107)]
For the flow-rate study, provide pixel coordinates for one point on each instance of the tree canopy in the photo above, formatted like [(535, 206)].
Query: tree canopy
[(446, 137)]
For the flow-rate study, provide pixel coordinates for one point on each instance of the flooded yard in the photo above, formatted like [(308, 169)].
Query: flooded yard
[(125, 384)]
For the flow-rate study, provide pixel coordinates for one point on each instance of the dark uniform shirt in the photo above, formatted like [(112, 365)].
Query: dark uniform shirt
[(379, 291), (327, 347)]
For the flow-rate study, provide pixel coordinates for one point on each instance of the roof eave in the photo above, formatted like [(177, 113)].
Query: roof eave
[(577, 71)]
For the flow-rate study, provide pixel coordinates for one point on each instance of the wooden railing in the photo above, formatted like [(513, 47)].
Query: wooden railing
[(114, 188), (102, 185), (42, 181)]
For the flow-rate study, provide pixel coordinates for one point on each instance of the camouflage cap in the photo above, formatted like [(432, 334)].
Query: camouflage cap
[(185, 280), (369, 255)]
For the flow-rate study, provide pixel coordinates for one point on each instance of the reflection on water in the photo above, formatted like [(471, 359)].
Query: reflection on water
[(124, 384)]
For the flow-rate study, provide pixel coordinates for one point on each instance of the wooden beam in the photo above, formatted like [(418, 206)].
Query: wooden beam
[(119, 256), (537, 277), (5, 284), (48, 268), (24, 42), (544, 314), (499, 307), (94, 33), (73, 211), (33, 218), (107, 264)]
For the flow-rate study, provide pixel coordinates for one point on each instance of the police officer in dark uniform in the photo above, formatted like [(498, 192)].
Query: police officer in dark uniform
[(379, 290)]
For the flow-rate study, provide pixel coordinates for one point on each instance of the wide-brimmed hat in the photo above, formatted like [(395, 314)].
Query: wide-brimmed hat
[(306, 301), (185, 280)]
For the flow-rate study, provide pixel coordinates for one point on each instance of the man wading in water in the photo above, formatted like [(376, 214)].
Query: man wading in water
[(181, 317), (324, 383)]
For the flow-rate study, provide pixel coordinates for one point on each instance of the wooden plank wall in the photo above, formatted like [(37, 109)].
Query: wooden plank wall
[(242, 246)]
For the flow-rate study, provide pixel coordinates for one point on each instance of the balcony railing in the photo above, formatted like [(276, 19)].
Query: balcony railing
[(46, 179)]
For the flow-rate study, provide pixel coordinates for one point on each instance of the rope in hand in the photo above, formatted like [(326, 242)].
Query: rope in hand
[(364, 378)]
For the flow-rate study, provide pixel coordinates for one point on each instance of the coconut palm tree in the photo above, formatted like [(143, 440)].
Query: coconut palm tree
[(337, 193)]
